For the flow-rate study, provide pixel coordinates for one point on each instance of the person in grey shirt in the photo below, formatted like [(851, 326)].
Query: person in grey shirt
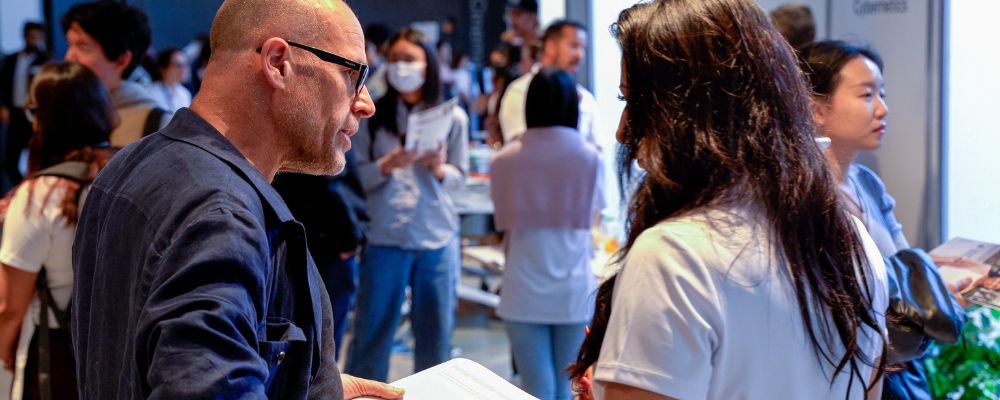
[(411, 241)]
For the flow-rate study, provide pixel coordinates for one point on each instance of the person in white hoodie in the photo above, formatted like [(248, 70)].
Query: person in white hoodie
[(110, 39)]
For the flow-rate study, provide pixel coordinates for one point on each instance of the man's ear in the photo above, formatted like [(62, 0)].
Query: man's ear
[(122, 62), (274, 63)]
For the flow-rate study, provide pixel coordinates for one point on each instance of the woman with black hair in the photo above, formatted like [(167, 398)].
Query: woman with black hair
[(73, 119), (849, 107), (411, 241), (546, 191), (743, 276)]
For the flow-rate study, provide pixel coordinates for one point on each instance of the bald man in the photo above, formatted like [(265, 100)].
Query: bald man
[(192, 279)]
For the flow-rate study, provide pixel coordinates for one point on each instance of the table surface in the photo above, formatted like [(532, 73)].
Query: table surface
[(473, 198)]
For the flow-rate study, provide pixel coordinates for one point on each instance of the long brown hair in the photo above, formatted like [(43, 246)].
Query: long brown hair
[(73, 120), (721, 110)]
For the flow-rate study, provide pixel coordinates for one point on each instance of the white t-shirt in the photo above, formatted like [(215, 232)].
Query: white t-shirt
[(702, 310), (36, 234), (512, 111), (547, 277)]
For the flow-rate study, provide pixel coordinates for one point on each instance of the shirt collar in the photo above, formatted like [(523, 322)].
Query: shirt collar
[(187, 126)]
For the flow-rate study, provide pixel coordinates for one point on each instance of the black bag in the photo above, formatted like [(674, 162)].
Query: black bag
[(920, 307)]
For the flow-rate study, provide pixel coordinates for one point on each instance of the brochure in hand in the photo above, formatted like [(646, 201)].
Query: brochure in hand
[(428, 129), (961, 258), (459, 378)]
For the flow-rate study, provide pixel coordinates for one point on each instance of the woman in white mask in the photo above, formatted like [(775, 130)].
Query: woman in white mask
[(411, 241)]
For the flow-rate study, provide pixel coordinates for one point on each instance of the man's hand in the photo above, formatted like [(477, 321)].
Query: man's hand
[(356, 387), (398, 158), (435, 160)]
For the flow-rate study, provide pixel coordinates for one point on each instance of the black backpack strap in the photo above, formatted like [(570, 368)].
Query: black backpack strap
[(46, 299), (73, 170), (153, 121), (47, 302), (78, 171)]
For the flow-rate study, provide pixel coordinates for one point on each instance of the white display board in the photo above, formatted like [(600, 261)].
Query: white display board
[(607, 75), (972, 202), (551, 10)]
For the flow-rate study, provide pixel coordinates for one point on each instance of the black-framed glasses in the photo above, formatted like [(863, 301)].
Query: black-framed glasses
[(329, 57)]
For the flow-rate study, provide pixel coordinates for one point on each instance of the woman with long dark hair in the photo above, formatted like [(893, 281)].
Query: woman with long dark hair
[(850, 108), (411, 240), (73, 119), (742, 276)]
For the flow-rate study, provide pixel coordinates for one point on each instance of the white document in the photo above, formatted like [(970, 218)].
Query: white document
[(428, 129), (458, 379)]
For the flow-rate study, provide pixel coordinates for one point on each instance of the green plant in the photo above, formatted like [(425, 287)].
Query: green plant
[(969, 369)]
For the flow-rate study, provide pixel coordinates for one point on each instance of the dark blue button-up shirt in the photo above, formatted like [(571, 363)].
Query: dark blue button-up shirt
[(192, 280)]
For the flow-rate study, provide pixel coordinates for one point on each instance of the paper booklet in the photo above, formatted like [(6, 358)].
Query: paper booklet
[(428, 129), (961, 258), (459, 378)]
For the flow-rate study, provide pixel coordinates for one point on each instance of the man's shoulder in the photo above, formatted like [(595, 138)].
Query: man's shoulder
[(520, 84), (133, 96), (159, 171), (516, 91)]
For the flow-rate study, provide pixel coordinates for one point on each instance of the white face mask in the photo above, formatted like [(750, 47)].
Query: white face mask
[(406, 77)]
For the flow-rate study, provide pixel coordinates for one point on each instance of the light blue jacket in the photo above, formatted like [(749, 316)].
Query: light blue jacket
[(410, 208)]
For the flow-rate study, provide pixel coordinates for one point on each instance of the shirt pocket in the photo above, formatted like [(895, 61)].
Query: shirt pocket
[(279, 347)]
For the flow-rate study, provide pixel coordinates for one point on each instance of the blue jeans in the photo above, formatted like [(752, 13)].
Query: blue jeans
[(384, 275), (542, 353)]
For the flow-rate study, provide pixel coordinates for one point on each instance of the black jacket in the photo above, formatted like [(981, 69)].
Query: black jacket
[(331, 208), (194, 281), (7, 67)]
